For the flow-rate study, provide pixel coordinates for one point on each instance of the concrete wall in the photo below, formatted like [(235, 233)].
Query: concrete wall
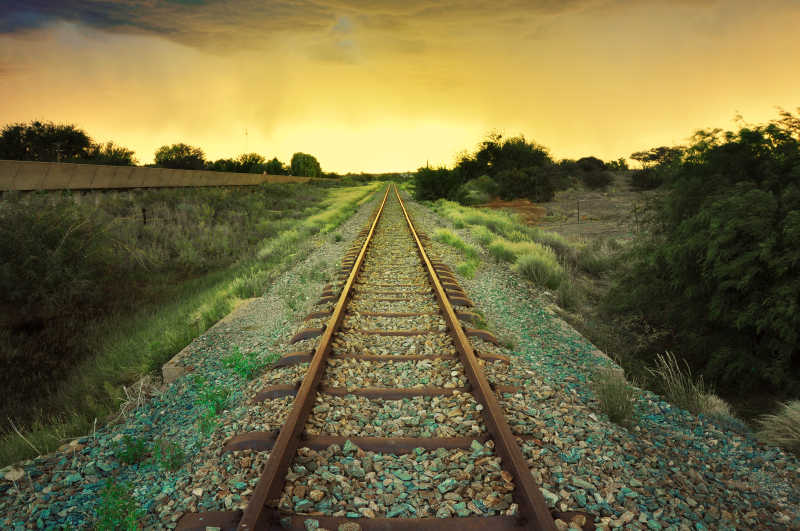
[(25, 175)]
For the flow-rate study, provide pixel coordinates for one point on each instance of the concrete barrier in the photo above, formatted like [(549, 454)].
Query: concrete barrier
[(26, 175)]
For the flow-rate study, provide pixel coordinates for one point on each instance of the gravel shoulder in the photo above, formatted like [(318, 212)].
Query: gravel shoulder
[(673, 470)]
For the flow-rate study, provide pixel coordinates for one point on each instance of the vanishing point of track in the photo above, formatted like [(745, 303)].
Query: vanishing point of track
[(388, 285)]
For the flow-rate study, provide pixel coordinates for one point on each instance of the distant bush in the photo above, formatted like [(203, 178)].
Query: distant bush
[(305, 165), (720, 265), (596, 179), (590, 164), (646, 179), (180, 156), (517, 168), (476, 191)]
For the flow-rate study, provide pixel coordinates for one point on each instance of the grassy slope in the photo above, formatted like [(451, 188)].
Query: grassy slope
[(134, 345)]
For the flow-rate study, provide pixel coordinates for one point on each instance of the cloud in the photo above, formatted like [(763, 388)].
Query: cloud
[(223, 25)]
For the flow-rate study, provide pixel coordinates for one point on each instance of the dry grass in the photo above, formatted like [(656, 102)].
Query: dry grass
[(783, 427), (616, 396)]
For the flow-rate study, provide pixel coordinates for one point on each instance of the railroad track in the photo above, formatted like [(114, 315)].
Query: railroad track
[(395, 424)]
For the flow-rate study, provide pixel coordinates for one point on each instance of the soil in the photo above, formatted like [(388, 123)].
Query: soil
[(612, 212)]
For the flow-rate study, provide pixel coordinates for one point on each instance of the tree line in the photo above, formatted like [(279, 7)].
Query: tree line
[(50, 142), (511, 168)]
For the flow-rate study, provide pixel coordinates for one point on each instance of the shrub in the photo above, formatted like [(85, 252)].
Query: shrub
[(482, 234), (646, 179), (615, 395), (540, 266), (118, 510), (783, 427), (568, 294), (476, 191), (596, 179), (719, 266)]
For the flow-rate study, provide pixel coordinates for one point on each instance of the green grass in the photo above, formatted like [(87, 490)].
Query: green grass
[(541, 267), (118, 510), (783, 427), (128, 346), (247, 365), (615, 396), (472, 262), (131, 450), (168, 455)]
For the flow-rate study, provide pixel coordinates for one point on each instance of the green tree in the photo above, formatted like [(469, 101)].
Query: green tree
[(110, 153), (720, 265), (223, 165), (305, 165), (275, 167), (180, 156), (251, 163), (44, 142)]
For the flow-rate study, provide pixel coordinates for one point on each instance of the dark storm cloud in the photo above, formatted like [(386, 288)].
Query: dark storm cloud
[(216, 22)]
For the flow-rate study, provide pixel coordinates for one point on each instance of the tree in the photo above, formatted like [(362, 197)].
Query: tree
[(658, 156), (435, 183), (591, 164), (180, 156), (251, 163), (720, 265), (43, 142), (275, 167), (223, 165), (110, 153), (305, 165)]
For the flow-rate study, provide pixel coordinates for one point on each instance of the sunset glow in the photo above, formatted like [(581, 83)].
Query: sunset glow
[(389, 86)]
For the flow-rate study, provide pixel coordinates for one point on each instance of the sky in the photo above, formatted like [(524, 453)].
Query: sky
[(394, 85)]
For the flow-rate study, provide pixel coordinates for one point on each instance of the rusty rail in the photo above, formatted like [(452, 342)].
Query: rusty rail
[(533, 508), (261, 511)]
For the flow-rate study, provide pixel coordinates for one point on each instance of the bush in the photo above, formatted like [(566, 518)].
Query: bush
[(180, 156), (476, 191), (540, 266), (482, 234), (595, 180), (783, 427), (720, 266), (568, 294), (646, 179), (615, 395), (679, 387)]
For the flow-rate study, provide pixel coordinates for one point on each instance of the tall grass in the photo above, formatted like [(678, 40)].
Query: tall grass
[(124, 347), (679, 387), (783, 427), (470, 265), (540, 266), (615, 395)]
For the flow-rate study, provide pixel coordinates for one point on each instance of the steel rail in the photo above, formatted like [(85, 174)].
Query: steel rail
[(533, 508), (270, 484)]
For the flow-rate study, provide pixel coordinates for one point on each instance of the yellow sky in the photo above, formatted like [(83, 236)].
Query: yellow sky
[(383, 86)]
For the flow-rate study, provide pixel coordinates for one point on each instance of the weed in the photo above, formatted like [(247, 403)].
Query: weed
[(615, 395), (337, 237), (783, 427), (132, 450), (168, 455), (207, 422), (212, 398), (245, 365), (117, 508)]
